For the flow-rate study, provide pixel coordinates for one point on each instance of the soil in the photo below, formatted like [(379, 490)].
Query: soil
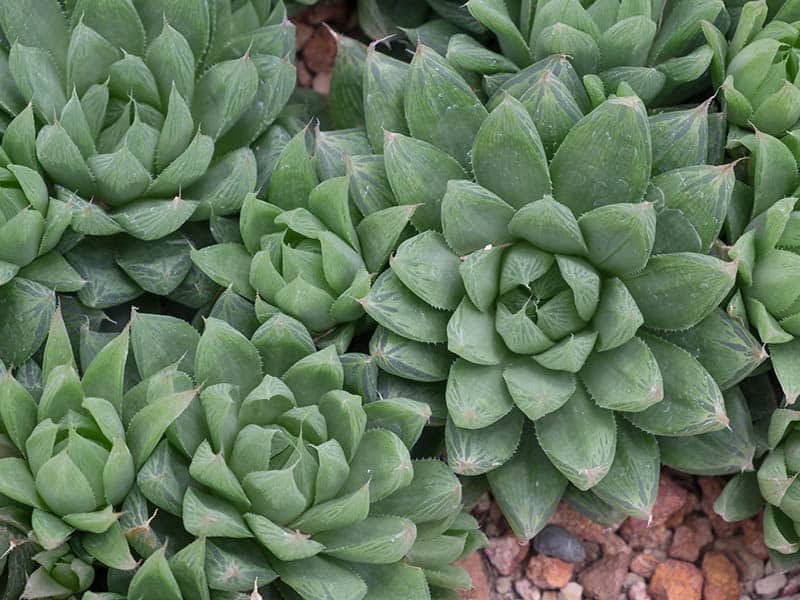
[(684, 552)]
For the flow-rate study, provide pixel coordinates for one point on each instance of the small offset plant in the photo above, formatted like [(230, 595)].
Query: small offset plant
[(759, 66), (756, 69), (119, 127), (762, 220), (304, 250), (72, 463)]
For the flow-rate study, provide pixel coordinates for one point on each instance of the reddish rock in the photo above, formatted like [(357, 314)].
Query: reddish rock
[(572, 591), (641, 537), (671, 498), (613, 544), (750, 567), (526, 590), (603, 580), (676, 580), (644, 564), (328, 12), (319, 53), (506, 553), (549, 573), (303, 33), (771, 585), (480, 581), (503, 584), (638, 591), (691, 505), (754, 537), (577, 524), (322, 83), (793, 587), (711, 488), (721, 578), (701, 527), (585, 529), (684, 545), (592, 551)]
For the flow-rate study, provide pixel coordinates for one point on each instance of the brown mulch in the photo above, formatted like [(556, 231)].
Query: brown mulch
[(685, 552)]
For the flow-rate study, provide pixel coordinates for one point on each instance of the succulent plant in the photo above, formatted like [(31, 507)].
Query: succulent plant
[(120, 125), (72, 463), (761, 228), (756, 69), (656, 48), (308, 250), (567, 297), (772, 487), (293, 482)]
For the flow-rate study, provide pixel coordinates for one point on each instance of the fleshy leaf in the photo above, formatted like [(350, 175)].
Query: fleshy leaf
[(583, 459), (612, 147), (528, 497), (677, 291)]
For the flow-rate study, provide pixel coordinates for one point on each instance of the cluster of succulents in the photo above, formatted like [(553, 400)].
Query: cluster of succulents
[(125, 127), (258, 345), (264, 478)]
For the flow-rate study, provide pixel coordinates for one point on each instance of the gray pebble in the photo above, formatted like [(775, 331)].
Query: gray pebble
[(559, 543)]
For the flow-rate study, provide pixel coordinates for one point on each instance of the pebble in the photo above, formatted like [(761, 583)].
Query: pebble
[(550, 596), (319, 52), (792, 587), (585, 529), (641, 537), (593, 551), (644, 564), (638, 591), (571, 591), (603, 580), (676, 580), (303, 33), (684, 545), (721, 578), (701, 527), (328, 12), (671, 498), (503, 584), (771, 585), (751, 567), (526, 590), (631, 579), (322, 82), (506, 553), (549, 573), (559, 543), (753, 532)]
